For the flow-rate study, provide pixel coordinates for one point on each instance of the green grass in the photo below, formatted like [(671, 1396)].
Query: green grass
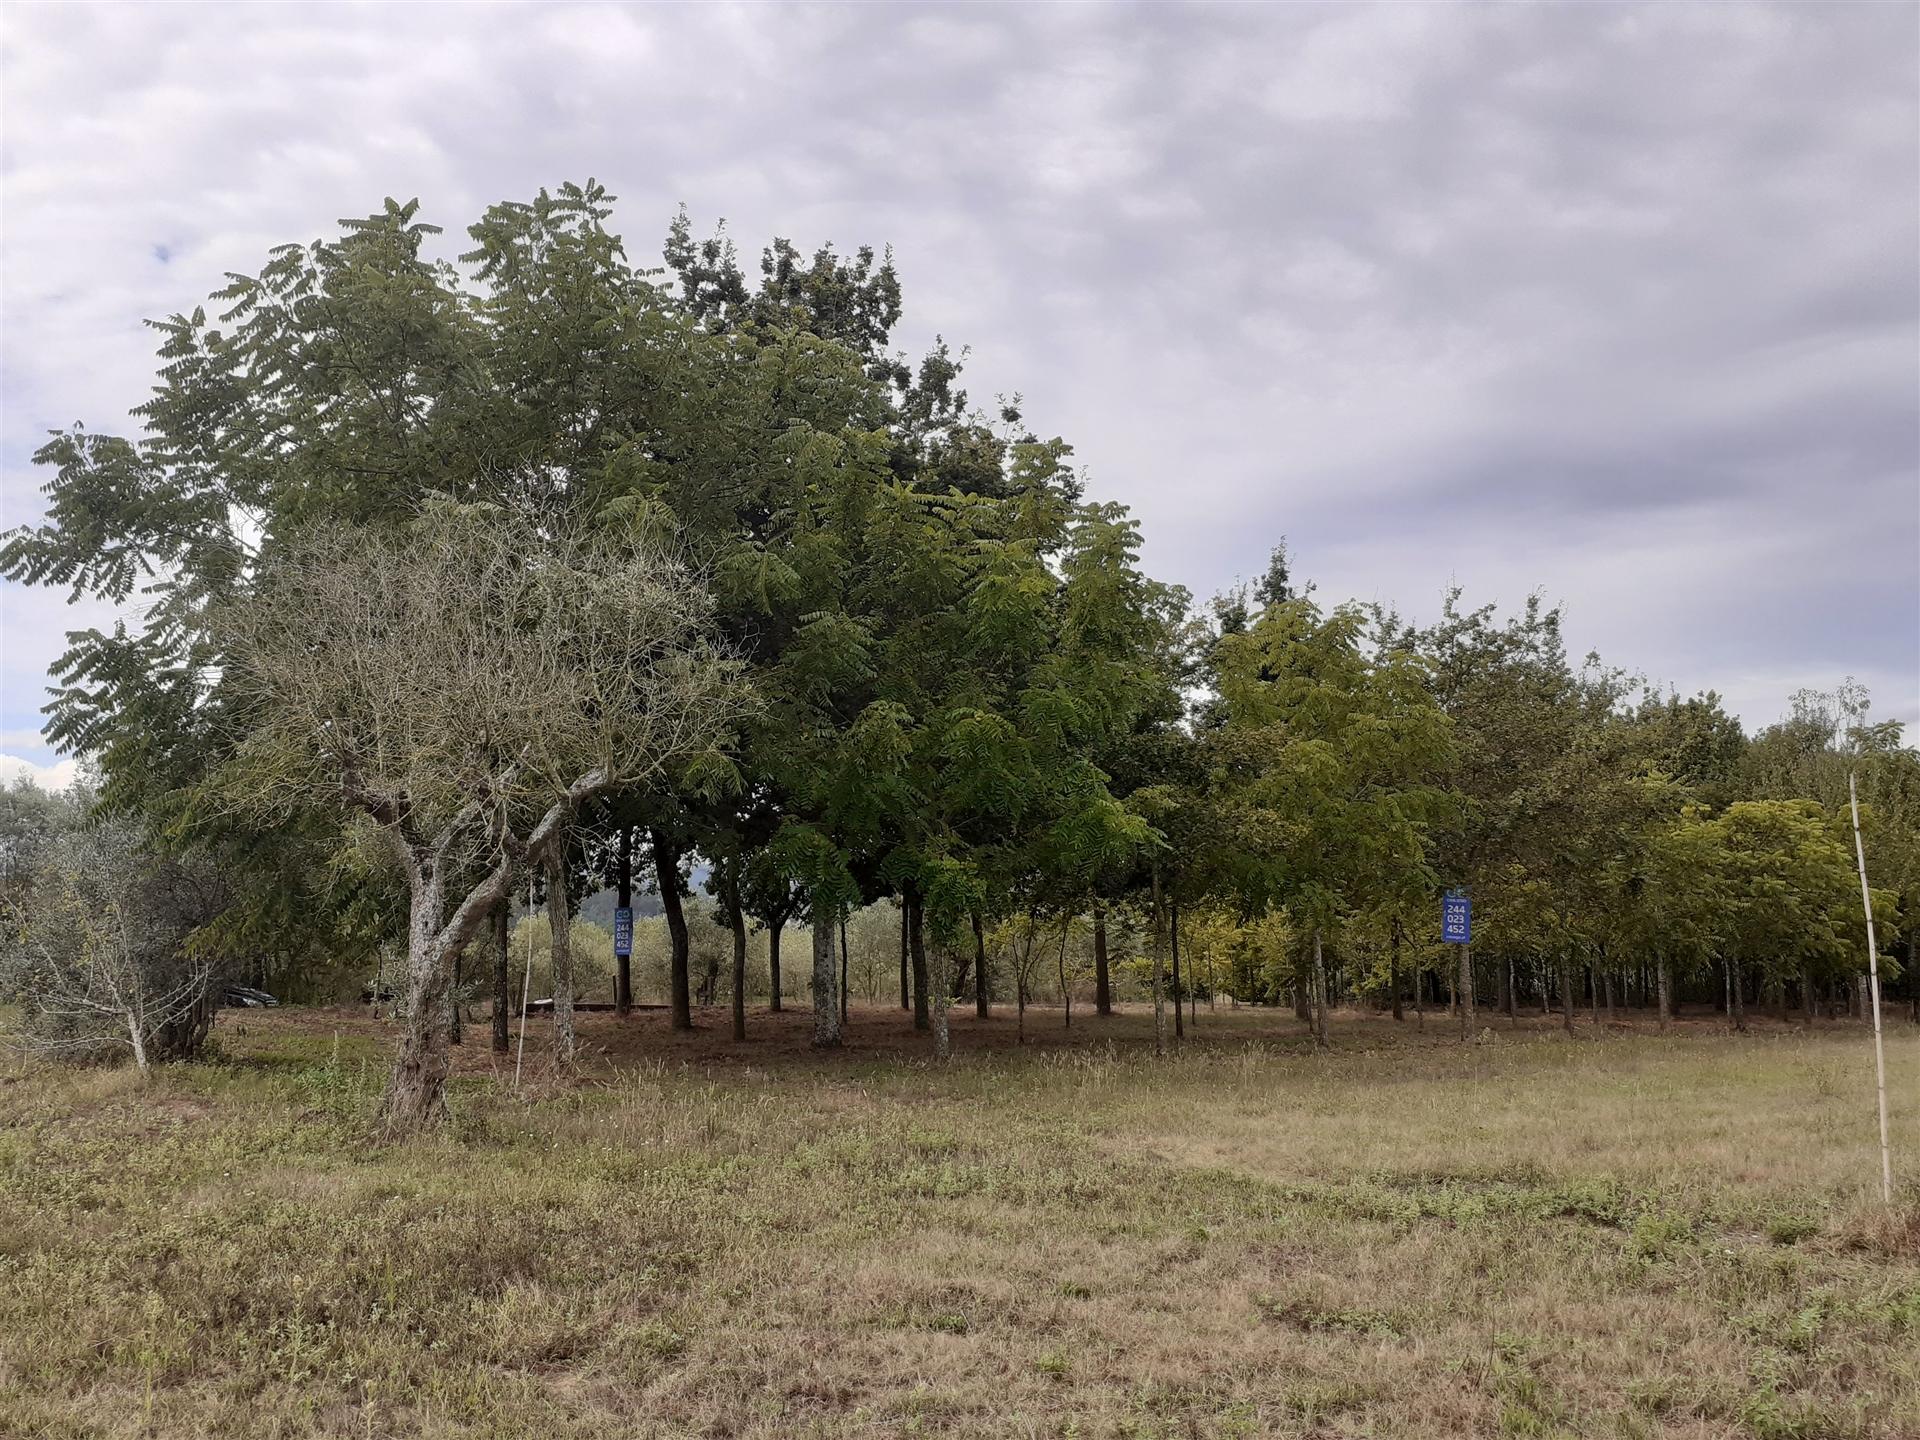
[(1620, 1236)]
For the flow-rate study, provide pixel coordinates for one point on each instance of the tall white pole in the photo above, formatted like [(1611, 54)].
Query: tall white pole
[(1873, 990), (526, 988)]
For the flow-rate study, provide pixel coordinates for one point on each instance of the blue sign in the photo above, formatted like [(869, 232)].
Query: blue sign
[(1456, 918), (623, 930)]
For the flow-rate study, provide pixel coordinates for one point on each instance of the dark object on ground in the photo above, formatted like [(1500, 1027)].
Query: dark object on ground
[(245, 997), (369, 997)]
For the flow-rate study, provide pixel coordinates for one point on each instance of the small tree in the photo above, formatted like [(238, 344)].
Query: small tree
[(466, 683), (97, 951)]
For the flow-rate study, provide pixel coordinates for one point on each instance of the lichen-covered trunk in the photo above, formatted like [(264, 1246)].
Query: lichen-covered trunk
[(502, 986), (826, 1008), (940, 981), (1102, 979), (453, 996), (560, 920), (416, 1090)]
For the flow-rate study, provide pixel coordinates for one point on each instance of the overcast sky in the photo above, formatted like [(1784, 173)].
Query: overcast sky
[(1618, 304)]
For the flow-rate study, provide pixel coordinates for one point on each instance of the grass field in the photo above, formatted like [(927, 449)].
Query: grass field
[(1618, 1235)]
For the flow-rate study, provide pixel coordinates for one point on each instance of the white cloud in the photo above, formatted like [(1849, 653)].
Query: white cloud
[(48, 777)]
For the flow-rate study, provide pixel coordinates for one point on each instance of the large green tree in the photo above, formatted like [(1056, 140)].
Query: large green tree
[(1329, 761)]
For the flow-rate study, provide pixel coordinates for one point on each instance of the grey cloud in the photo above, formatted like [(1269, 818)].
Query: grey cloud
[(1619, 301)]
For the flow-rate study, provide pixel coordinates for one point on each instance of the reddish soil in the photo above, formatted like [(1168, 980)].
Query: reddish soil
[(886, 1032)]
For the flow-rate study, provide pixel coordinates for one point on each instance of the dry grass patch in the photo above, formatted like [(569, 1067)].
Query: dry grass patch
[(1634, 1236)]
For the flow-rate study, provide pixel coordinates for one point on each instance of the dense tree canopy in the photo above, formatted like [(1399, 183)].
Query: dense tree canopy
[(426, 539)]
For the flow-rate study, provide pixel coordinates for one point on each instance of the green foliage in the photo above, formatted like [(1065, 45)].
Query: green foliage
[(970, 691)]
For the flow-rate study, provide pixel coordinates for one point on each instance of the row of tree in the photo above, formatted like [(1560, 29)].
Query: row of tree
[(538, 568)]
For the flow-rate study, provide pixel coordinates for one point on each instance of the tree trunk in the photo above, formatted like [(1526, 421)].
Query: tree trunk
[(843, 971), (917, 942), (1393, 972), (560, 918), (1664, 981), (1464, 991), (666, 870), (982, 988), (1735, 997), (502, 985), (182, 1036), (1319, 993), (1159, 968), (1806, 996), (826, 1008), (1066, 995), (416, 1091), (906, 927), (1020, 975), (939, 987), (137, 1039), (1102, 983), (453, 997), (776, 923), (1303, 1000), (1606, 986), (736, 922), (1503, 970), (623, 964), (1420, 997), (1566, 993), (1173, 934)]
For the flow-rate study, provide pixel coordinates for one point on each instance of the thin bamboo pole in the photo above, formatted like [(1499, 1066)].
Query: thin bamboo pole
[(526, 989), (1873, 974)]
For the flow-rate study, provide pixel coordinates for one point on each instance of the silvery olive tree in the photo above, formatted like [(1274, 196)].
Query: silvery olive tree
[(465, 683), (95, 947)]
